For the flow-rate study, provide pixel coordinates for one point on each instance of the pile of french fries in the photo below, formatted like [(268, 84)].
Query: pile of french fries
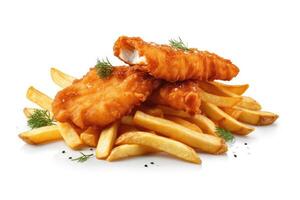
[(157, 128)]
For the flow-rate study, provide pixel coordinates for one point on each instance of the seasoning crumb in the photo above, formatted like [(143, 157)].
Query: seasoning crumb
[(70, 157), (245, 143), (91, 149), (146, 165), (152, 163), (63, 151), (235, 155)]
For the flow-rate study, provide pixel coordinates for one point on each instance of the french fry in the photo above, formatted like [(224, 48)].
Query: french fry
[(204, 142), (70, 136), (39, 98), (220, 100), (60, 78), (90, 136), (28, 111), (225, 120), (170, 111), (154, 111), (160, 143), (258, 118), (235, 113), (184, 123), (41, 135), (207, 126), (246, 102), (129, 150), (128, 120), (106, 141), (236, 89)]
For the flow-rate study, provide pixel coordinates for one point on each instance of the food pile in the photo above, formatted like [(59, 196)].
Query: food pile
[(166, 99)]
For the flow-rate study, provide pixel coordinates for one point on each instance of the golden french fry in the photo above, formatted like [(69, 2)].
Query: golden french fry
[(41, 135), (90, 136), (160, 143), (204, 142), (28, 111), (155, 111), (184, 123), (60, 78), (207, 126), (233, 112), (220, 100), (39, 98), (249, 103), (129, 150), (224, 120), (246, 102), (128, 120), (236, 89), (70, 136), (106, 141), (170, 111), (256, 117)]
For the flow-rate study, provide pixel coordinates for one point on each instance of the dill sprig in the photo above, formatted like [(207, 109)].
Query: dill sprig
[(227, 135), (104, 68), (40, 118), (83, 158), (178, 44)]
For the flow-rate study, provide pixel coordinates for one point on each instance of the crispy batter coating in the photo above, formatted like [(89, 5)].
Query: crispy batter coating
[(171, 64), (95, 101), (180, 95)]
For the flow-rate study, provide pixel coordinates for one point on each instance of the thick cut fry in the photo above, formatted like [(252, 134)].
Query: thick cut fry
[(235, 113), (220, 100), (60, 78), (160, 143), (258, 118), (207, 126), (157, 112), (39, 98), (224, 120), (204, 142), (90, 136), (70, 136), (129, 150), (170, 111), (106, 141), (236, 89), (246, 102), (28, 111), (184, 123), (128, 120), (41, 135)]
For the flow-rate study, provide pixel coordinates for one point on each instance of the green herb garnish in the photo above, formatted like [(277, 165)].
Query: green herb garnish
[(40, 118), (227, 135), (178, 44), (104, 68), (83, 158)]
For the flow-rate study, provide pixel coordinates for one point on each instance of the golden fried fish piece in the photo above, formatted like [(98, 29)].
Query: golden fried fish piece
[(184, 96), (95, 101), (171, 64)]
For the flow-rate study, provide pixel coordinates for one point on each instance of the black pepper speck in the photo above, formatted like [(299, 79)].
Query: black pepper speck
[(235, 155), (152, 163), (146, 165), (63, 151), (70, 157)]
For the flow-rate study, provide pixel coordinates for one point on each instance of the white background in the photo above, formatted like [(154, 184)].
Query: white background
[(260, 37)]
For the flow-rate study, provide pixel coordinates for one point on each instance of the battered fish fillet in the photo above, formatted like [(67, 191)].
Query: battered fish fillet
[(95, 101), (171, 64), (180, 95)]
